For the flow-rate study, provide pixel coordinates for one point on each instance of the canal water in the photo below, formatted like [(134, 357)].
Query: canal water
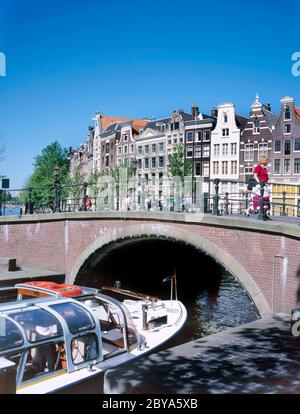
[(214, 299), (15, 211)]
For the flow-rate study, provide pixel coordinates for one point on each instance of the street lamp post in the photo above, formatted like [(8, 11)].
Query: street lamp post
[(4, 187), (84, 207), (1, 193), (56, 171), (134, 183), (216, 211)]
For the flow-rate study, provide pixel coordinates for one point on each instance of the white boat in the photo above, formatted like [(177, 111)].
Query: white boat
[(54, 337)]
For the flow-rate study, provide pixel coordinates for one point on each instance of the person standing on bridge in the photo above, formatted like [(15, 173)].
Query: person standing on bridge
[(260, 174)]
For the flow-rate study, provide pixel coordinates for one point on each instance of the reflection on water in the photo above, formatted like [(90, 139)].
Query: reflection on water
[(214, 310)]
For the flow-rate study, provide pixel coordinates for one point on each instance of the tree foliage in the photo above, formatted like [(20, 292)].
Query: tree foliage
[(42, 179), (178, 165)]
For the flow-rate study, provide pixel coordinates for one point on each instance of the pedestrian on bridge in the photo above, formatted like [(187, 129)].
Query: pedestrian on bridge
[(260, 174)]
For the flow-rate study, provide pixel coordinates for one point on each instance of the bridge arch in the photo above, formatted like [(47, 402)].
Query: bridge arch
[(171, 232)]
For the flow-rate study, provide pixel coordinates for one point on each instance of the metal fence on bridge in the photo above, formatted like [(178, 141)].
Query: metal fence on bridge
[(190, 194)]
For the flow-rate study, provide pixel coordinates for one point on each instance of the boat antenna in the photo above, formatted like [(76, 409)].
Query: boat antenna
[(175, 282)]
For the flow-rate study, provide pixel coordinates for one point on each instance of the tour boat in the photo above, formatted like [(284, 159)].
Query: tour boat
[(54, 337)]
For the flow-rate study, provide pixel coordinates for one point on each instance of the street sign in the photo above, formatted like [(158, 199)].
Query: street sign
[(5, 183)]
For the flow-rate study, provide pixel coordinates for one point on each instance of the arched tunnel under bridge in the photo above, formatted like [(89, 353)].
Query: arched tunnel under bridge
[(213, 297)]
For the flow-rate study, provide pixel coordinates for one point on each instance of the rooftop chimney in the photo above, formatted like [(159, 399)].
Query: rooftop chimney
[(268, 106), (195, 111), (214, 112)]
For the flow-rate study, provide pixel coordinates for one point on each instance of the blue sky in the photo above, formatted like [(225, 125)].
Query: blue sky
[(68, 59)]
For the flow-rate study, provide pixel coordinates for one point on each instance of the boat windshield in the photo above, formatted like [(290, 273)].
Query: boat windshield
[(38, 324), (113, 317), (10, 334), (133, 337), (77, 318)]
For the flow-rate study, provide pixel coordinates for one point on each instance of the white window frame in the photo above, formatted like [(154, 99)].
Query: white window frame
[(288, 133), (205, 148), (295, 173), (205, 169), (233, 145), (189, 149), (225, 132), (277, 140), (206, 131), (233, 163), (225, 147), (284, 162), (274, 171), (216, 167), (189, 133), (263, 152), (224, 164), (295, 145), (216, 150), (256, 129), (251, 151), (198, 152)]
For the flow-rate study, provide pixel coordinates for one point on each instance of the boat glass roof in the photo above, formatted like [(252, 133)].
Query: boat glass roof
[(77, 318), (10, 334), (43, 323)]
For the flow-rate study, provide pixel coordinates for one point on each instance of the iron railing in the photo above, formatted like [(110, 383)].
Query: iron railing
[(217, 197)]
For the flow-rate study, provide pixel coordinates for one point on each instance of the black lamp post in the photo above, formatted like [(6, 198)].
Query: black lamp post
[(1, 198), (56, 171), (4, 187), (216, 211), (134, 164)]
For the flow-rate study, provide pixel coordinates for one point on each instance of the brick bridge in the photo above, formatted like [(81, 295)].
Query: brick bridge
[(263, 256)]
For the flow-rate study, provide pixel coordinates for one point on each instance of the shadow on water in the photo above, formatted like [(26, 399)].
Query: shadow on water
[(213, 298)]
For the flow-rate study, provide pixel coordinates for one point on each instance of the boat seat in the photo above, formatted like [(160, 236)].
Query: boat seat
[(114, 337)]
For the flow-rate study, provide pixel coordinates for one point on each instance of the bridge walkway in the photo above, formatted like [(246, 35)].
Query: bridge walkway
[(261, 357)]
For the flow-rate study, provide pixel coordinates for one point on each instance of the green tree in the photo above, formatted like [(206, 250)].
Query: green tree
[(178, 165), (42, 179), (75, 189)]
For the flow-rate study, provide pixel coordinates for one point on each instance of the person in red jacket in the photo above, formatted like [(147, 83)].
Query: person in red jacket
[(88, 202), (260, 174)]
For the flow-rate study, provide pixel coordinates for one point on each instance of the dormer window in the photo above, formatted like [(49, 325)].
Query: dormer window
[(225, 117), (256, 126), (287, 113)]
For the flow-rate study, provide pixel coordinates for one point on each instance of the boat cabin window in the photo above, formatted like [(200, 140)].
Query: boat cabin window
[(10, 334), (77, 318), (38, 324), (8, 295), (116, 329), (84, 348), (44, 360)]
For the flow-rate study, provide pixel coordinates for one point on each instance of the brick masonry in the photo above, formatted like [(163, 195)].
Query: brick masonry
[(264, 257)]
